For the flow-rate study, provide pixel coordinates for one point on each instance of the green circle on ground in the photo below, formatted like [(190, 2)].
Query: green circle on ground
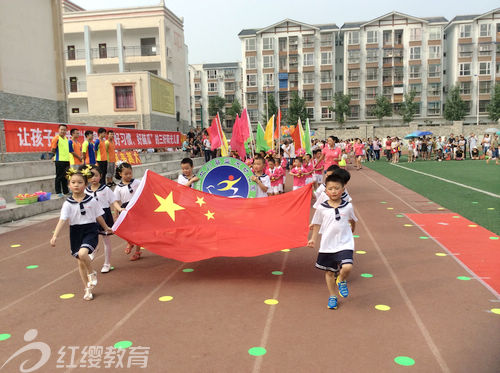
[(366, 275), (257, 351), (430, 202), (475, 203), (355, 236), (493, 310), (112, 268), (456, 217), (463, 278), (404, 361), (166, 298), (67, 296), (493, 238), (123, 344), (32, 266), (188, 270), (383, 202), (424, 237), (400, 216), (5, 336), (277, 273)]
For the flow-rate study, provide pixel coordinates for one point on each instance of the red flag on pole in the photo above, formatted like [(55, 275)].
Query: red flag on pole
[(277, 132), (213, 132), (182, 223), (237, 140)]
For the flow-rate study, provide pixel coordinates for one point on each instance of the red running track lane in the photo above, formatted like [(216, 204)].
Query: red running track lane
[(477, 248)]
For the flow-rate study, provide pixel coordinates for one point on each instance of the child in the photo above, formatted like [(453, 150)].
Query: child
[(123, 193), (318, 166), (187, 177), (263, 181), (308, 166), (88, 152), (336, 222), (106, 199), (284, 166), (358, 153), (75, 150), (275, 174), (101, 153), (320, 193), (299, 174), (82, 211)]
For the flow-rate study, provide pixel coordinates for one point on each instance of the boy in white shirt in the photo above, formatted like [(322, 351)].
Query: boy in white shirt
[(261, 178), (187, 177), (335, 221)]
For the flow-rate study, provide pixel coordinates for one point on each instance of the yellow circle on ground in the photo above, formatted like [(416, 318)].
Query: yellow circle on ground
[(495, 310), (360, 252), (390, 208), (472, 225), (491, 208), (285, 250), (15, 245), (166, 298), (142, 248), (67, 296), (408, 225), (441, 208), (271, 302), (441, 254), (382, 307)]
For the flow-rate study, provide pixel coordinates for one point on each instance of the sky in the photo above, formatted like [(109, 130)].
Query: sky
[(211, 27)]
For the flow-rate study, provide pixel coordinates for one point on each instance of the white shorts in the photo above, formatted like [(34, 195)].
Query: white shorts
[(309, 180), (295, 187), (318, 178), (274, 189)]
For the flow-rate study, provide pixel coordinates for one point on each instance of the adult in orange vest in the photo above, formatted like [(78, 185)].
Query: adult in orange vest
[(60, 149), (110, 148), (101, 155)]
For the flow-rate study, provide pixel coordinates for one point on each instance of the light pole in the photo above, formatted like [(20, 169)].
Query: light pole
[(267, 104), (201, 112), (477, 100)]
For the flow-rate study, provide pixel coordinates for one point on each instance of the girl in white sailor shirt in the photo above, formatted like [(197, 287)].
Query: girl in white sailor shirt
[(82, 211), (123, 193), (106, 199)]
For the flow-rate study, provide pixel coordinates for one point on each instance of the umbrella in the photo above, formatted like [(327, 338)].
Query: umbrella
[(498, 132), (424, 133), (412, 135), (492, 130)]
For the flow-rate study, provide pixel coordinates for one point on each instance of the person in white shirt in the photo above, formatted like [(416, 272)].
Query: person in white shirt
[(261, 178), (186, 177)]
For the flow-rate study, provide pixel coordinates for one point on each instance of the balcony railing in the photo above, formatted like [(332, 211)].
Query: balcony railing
[(74, 54), (141, 50), (79, 86), (108, 52)]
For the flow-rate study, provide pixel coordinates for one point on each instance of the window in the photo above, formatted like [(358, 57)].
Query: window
[(434, 33), (414, 53), (464, 69), (498, 68), (484, 68), (354, 93), (197, 86), (465, 88), (434, 89), (398, 74), (371, 37), (124, 97), (308, 59), (465, 50), (282, 44), (326, 94), (415, 72), (198, 111), (308, 78), (354, 111), (483, 106), (353, 56), (371, 55), (387, 35), (253, 114), (212, 87), (212, 74), (252, 98), (251, 80), (371, 73), (371, 93), (326, 40), (485, 87), (268, 79), (387, 91), (268, 62), (415, 34), (326, 58), (326, 113), (370, 111), (229, 98), (353, 37), (75, 110), (309, 95), (387, 75), (294, 62), (485, 50), (229, 73), (485, 30), (398, 36), (267, 43), (250, 44), (282, 62), (353, 75), (308, 41), (434, 71), (310, 112), (197, 74), (434, 51), (251, 62), (417, 88), (326, 76), (229, 86), (294, 79), (283, 99), (465, 31), (434, 108), (293, 43), (71, 52)]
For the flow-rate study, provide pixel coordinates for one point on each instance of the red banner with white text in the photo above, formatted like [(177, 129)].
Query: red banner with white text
[(23, 137)]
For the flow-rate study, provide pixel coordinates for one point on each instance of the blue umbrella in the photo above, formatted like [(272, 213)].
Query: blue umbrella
[(412, 135), (423, 133)]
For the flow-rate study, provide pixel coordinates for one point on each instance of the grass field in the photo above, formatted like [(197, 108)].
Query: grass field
[(476, 206)]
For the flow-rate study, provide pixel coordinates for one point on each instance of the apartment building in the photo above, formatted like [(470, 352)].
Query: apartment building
[(390, 56), (473, 59), (126, 67), (288, 57), (211, 80)]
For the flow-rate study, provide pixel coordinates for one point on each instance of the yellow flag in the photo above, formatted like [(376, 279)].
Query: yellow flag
[(269, 134)]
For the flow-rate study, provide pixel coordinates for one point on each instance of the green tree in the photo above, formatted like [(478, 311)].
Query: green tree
[(383, 107), (297, 109), (455, 108), (409, 107), (341, 108), (272, 108), (494, 105), (216, 105), (234, 110)]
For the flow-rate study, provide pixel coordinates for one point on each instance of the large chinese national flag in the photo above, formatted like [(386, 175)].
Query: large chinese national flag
[(181, 223)]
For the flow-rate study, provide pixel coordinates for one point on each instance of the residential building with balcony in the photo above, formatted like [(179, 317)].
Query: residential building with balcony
[(288, 57), (473, 60), (140, 54), (392, 55), (211, 80)]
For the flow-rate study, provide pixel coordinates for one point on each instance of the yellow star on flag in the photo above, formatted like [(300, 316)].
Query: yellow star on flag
[(168, 205), (200, 201), (210, 215)]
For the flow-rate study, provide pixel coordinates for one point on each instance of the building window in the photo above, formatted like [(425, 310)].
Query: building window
[(253, 114), (434, 71), (309, 95), (212, 87), (308, 59), (308, 41), (398, 74), (354, 93), (434, 33), (197, 86), (485, 30), (483, 106), (250, 44), (293, 43), (229, 98), (197, 74), (434, 89), (434, 108), (267, 43), (464, 69), (75, 110), (414, 53), (229, 86), (326, 58), (326, 39), (353, 37), (326, 113), (353, 75), (415, 72), (252, 98), (387, 37), (283, 62), (354, 111), (465, 88), (293, 78), (372, 37), (293, 62), (465, 31), (484, 68), (212, 74), (371, 93), (417, 88), (268, 79), (251, 62), (251, 80), (371, 73), (326, 76), (308, 78), (268, 62), (465, 50), (387, 75), (387, 91), (124, 97), (485, 50), (434, 51), (310, 112), (485, 87), (326, 94), (197, 111), (283, 98), (353, 56), (415, 34), (71, 52), (371, 55), (370, 111), (282, 44)]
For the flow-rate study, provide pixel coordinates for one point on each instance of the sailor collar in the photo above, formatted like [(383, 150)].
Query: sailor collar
[(85, 200), (94, 192), (337, 211), (129, 186)]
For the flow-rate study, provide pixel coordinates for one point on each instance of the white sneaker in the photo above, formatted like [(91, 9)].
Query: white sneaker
[(92, 280), (105, 268), (88, 294), (93, 254)]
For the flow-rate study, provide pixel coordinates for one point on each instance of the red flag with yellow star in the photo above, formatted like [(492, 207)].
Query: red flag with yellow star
[(182, 223)]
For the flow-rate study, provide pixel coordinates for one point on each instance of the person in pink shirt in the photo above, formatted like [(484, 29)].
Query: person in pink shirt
[(308, 166), (276, 175), (299, 174), (358, 153), (318, 168), (330, 153)]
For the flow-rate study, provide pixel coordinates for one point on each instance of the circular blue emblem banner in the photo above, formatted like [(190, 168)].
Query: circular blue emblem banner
[(227, 177)]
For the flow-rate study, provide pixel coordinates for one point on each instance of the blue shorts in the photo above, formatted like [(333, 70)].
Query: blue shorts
[(333, 261), (83, 235)]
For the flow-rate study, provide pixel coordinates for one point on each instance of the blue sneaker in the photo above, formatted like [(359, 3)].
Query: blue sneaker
[(332, 303), (343, 291)]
